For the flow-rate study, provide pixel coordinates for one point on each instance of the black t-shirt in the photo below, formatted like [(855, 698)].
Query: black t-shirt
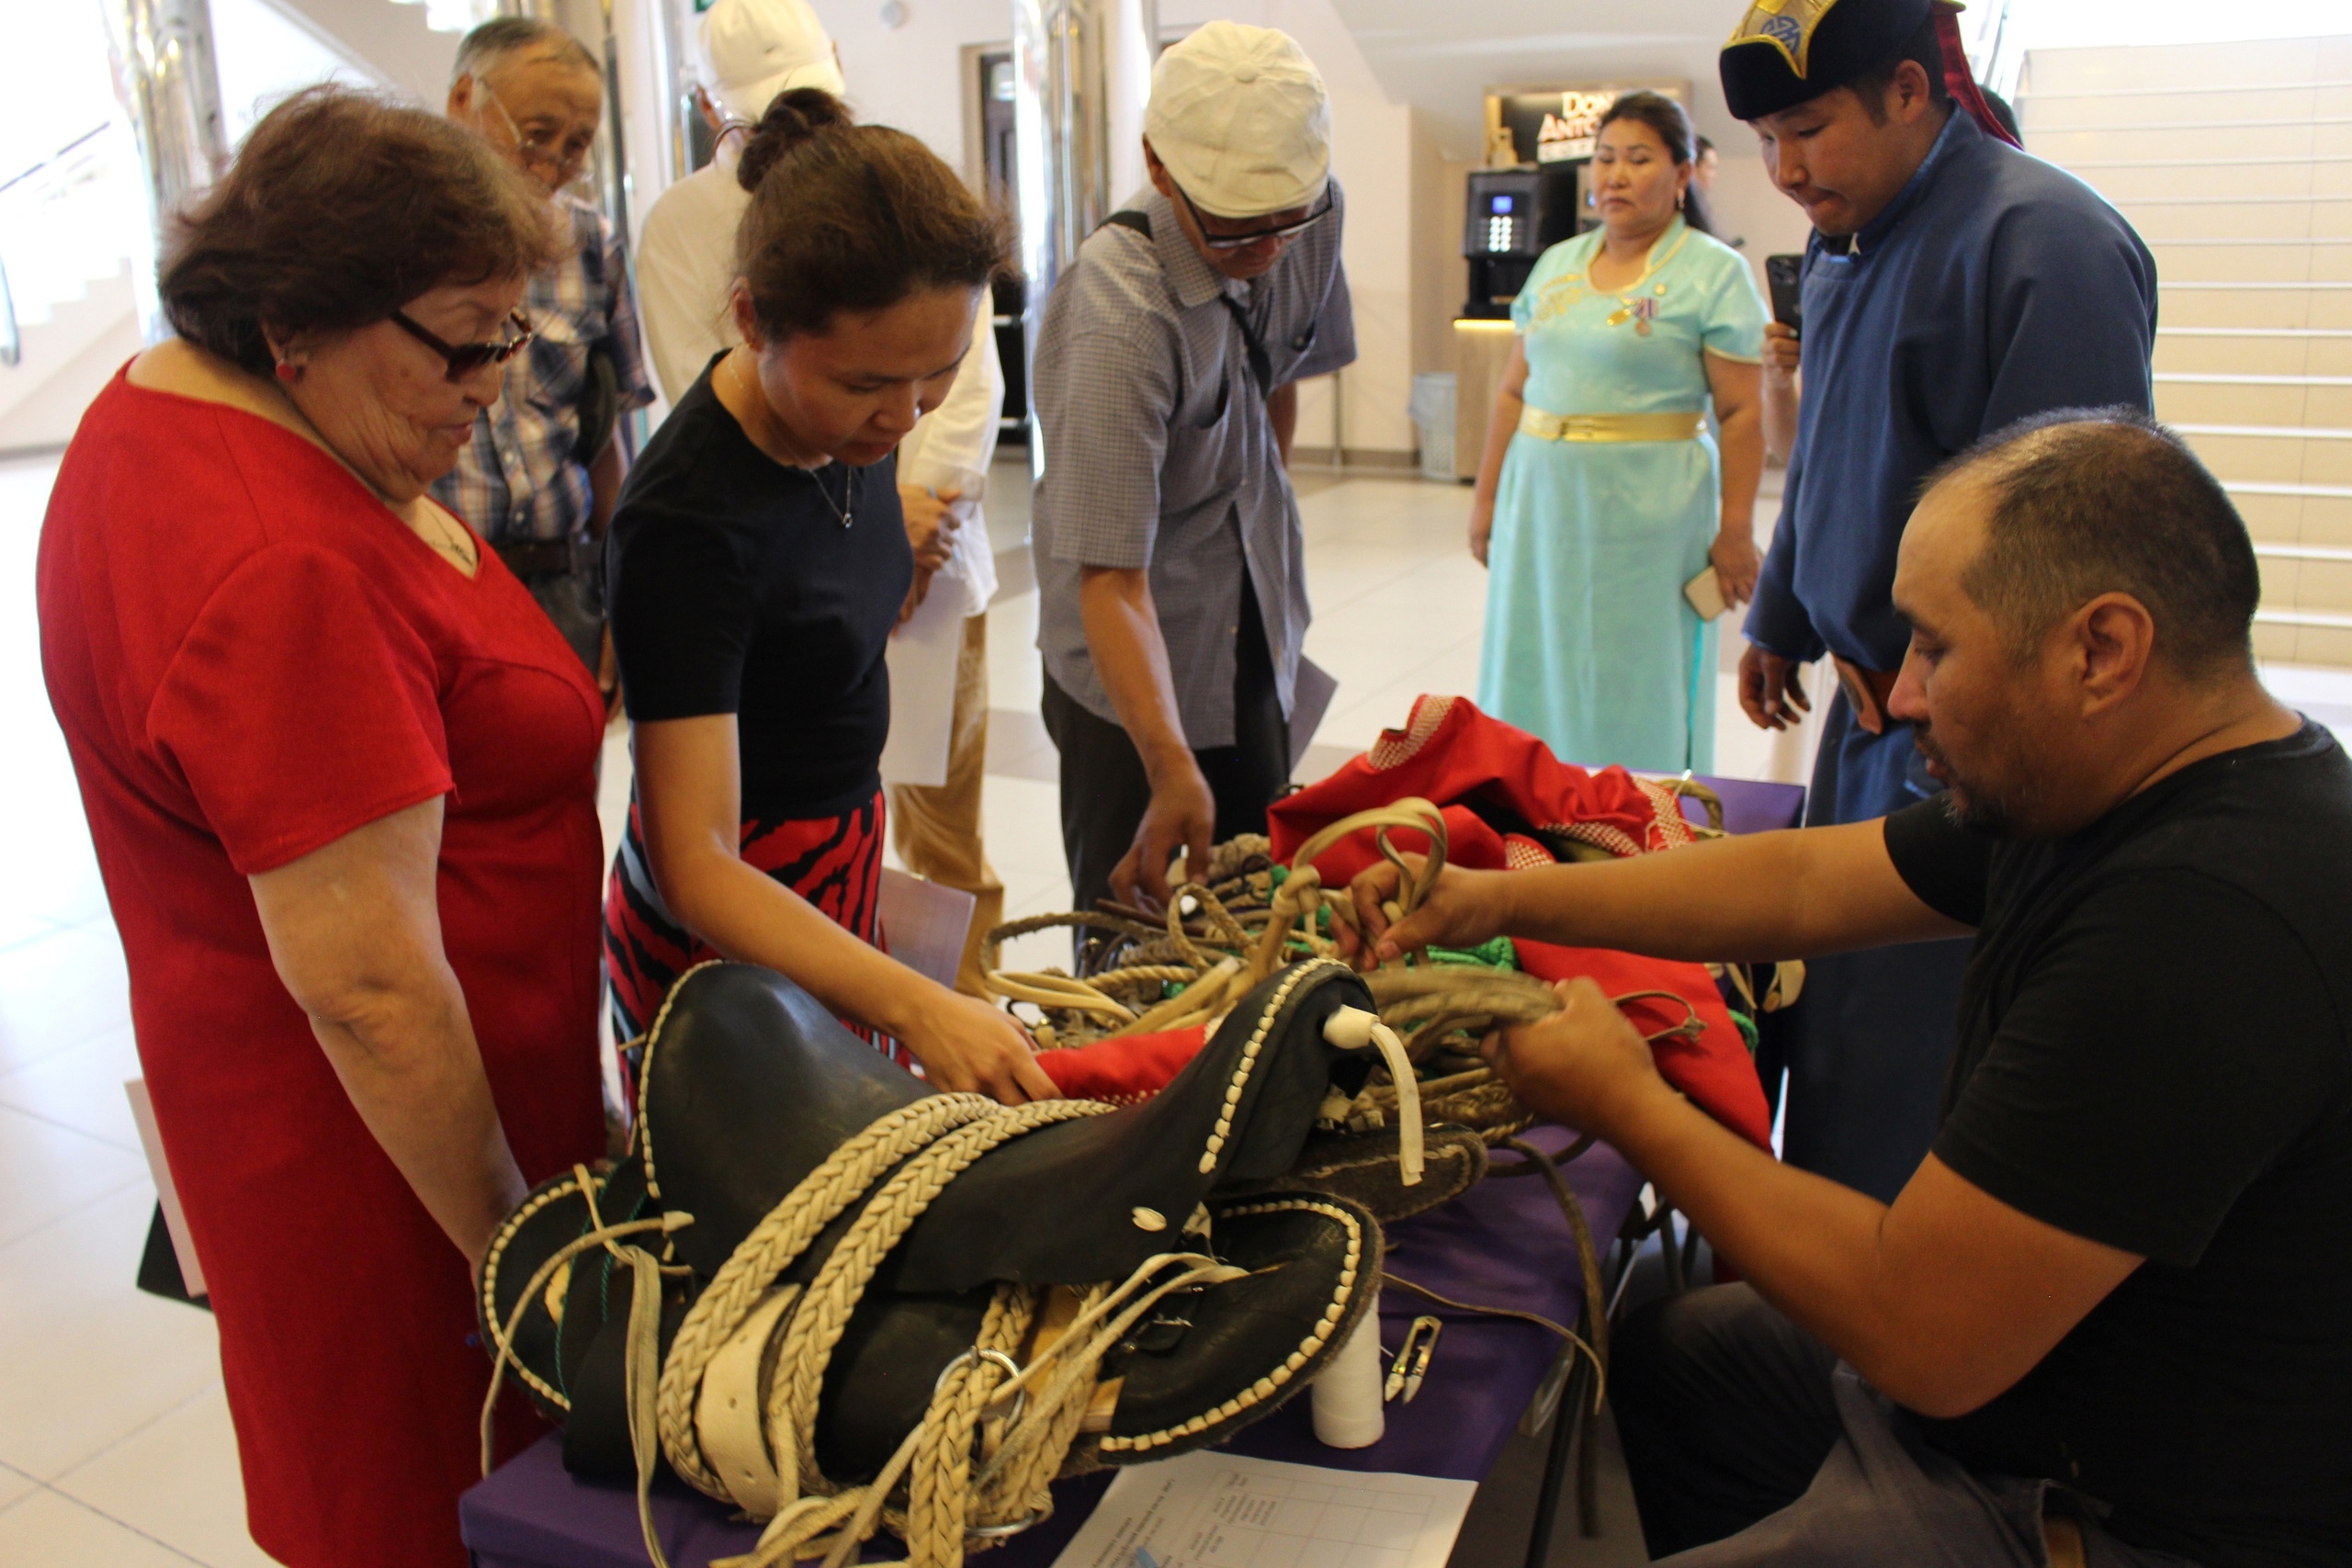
[(2155, 1052), (734, 588)]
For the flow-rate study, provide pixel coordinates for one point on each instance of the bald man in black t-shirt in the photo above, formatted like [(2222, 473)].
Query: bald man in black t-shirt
[(2109, 1318)]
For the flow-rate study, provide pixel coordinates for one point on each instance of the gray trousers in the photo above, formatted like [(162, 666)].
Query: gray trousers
[(1751, 1446)]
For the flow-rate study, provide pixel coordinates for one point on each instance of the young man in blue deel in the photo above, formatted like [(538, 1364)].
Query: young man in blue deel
[(1953, 285)]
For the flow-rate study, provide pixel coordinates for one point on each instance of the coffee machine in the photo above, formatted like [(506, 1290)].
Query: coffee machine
[(1512, 217)]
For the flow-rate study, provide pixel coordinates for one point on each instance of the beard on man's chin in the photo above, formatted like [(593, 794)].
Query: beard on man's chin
[(1968, 807)]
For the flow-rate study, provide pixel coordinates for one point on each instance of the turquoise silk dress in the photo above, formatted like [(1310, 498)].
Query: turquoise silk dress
[(1590, 643)]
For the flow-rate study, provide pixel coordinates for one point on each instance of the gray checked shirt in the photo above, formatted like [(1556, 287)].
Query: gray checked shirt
[(1159, 453)]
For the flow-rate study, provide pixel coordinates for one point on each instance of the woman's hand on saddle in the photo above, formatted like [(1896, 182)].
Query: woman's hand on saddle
[(1585, 1067), (1735, 563), (967, 1045), (1462, 909)]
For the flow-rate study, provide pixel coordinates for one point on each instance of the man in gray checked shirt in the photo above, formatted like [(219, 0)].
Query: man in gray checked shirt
[(1171, 599)]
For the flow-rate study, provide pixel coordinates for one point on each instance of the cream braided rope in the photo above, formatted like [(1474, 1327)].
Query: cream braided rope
[(920, 1149)]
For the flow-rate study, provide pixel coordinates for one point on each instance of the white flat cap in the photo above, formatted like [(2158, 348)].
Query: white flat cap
[(1240, 117), (747, 51)]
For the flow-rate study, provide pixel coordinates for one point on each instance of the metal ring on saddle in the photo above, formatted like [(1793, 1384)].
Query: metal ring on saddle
[(1000, 1532), (1012, 1368)]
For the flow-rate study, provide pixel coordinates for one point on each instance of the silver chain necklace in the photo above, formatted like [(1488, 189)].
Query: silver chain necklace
[(847, 511)]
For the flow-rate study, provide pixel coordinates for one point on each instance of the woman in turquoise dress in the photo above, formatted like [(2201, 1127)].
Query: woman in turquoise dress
[(1601, 493)]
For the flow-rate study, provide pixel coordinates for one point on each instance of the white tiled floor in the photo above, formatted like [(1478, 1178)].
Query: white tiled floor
[(115, 1444)]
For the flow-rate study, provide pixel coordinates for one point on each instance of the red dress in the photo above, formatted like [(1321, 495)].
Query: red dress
[(250, 658)]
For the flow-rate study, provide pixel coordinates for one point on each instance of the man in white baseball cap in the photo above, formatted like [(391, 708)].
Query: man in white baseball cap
[(746, 52), (1172, 607)]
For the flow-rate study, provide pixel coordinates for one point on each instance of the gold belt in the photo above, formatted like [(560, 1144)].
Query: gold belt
[(1545, 427)]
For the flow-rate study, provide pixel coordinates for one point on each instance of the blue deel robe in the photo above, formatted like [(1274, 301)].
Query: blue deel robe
[(1994, 287)]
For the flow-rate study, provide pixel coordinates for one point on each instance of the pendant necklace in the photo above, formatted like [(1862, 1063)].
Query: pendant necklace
[(847, 511)]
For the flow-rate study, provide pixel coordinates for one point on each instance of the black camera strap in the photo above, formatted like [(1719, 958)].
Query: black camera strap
[(1261, 363)]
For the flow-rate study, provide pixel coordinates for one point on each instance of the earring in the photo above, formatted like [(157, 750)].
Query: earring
[(288, 372), (1678, 201)]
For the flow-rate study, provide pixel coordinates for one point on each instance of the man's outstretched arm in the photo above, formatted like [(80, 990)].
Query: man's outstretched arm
[(1942, 1300), (1748, 899)]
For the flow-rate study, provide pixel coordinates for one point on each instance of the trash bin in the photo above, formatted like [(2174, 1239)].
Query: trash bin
[(1432, 411)]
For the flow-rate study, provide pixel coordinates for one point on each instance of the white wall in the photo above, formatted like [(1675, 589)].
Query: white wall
[(912, 77)]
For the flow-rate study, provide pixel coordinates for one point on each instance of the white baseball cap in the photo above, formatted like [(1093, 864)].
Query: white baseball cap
[(747, 51), (1240, 117)]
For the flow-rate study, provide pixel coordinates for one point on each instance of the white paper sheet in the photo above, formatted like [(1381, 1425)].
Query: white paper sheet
[(1218, 1510), (921, 657), (925, 924)]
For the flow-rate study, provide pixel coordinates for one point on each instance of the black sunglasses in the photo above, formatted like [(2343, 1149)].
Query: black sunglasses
[(1235, 241), (465, 358)]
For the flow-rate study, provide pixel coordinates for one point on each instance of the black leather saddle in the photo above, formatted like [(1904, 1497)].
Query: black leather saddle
[(749, 1086)]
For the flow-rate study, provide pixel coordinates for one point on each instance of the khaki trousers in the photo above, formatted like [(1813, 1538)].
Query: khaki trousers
[(937, 831)]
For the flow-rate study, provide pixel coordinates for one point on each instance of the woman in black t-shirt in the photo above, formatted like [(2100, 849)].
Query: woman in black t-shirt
[(758, 562)]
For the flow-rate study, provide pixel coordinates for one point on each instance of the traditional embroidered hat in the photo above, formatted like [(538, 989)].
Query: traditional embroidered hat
[(1786, 52)]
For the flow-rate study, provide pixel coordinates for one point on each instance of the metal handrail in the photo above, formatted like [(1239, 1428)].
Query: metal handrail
[(2005, 56), (21, 175)]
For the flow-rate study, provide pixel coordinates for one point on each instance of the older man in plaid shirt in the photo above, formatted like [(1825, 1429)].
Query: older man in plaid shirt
[(544, 468)]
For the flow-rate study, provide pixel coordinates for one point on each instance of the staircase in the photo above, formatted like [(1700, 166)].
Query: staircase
[(2234, 162), (72, 216), (69, 226)]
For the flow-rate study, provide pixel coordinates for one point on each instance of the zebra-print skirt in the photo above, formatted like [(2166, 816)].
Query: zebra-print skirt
[(835, 863)]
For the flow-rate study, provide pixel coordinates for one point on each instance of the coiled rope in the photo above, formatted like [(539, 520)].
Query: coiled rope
[(1245, 924)]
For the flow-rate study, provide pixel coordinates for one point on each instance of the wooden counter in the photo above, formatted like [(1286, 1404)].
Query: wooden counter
[(1481, 349)]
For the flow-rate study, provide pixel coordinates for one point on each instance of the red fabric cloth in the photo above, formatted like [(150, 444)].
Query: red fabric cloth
[(1450, 754), (1126, 1071), (251, 657)]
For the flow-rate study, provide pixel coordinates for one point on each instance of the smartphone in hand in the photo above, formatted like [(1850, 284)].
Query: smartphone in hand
[(1785, 275)]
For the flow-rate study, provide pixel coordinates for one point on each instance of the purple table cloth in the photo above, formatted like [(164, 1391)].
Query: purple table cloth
[(1750, 807), (1504, 1243)]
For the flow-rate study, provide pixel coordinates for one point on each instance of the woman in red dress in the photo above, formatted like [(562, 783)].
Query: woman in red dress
[(340, 770)]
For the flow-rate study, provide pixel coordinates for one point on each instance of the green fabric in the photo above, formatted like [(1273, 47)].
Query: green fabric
[(1589, 644), (1495, 954)]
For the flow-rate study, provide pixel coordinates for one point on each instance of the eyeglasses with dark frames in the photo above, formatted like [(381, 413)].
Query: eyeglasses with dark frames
[(465, 358), (1217, 242)]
